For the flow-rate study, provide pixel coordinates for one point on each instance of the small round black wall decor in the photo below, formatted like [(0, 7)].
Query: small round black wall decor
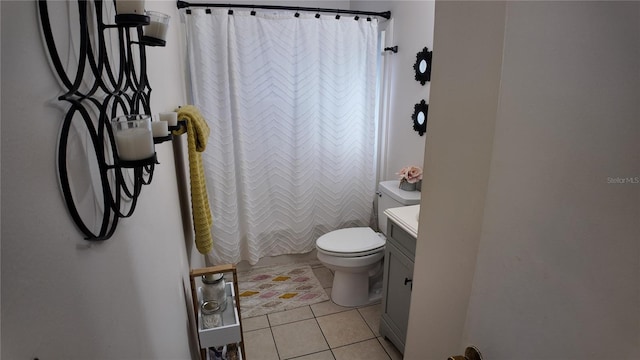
[(423, 66), (420, 117)]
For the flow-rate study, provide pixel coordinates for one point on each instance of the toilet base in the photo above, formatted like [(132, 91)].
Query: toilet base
[(350, 289), (354, 289), (352, 277)]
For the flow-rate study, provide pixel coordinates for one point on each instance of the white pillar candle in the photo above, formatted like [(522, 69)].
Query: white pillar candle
[(170, 117), (156, 30), (134, 144), (130, 7), (158, 25), (160, 128)]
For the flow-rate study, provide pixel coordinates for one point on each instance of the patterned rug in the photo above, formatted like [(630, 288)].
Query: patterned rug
[(272, 289)]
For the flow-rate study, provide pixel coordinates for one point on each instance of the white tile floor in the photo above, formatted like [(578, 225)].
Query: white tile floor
[(322, 331)]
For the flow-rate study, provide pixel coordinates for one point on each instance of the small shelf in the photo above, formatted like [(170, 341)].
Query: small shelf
[(230, 331), (209, 357)]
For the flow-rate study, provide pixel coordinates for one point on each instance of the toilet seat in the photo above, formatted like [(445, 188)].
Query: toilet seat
[(351, 242)]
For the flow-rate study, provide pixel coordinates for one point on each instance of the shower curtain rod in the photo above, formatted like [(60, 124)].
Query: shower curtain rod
[(385, 14)]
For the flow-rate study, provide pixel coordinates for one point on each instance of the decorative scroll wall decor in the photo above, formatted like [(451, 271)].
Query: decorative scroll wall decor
[(419, 117), (107, 80), (422, 69), (422, 66)]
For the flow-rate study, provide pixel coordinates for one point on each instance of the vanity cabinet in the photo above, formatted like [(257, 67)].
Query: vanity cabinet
[(397, 283)]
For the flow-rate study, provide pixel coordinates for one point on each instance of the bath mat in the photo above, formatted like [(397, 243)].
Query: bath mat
[(271, 289)]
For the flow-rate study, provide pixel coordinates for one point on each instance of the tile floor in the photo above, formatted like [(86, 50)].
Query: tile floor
[(322, 331)]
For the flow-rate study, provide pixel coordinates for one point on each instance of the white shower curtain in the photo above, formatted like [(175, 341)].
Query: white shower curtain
[(291, 106)]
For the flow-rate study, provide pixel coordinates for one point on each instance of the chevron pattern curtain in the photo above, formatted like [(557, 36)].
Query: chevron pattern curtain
[(291, 106)]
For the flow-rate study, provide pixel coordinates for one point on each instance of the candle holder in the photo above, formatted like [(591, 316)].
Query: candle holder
[(161, 139), (134, 140), (160, 132), (130, 13), (109, 78), (104, 81), (155, 33)]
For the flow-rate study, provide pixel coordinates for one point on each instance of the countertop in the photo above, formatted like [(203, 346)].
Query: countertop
[(406, 217)]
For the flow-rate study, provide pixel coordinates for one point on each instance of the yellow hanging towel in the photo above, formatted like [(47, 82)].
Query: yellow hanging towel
[(197, 134)]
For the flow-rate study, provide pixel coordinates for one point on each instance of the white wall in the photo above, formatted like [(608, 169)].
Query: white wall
[(412, 31), (464, 101), (558, 271), (61, 299), (557, 274)]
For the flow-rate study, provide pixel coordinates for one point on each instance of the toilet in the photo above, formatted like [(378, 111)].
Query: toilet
[(356, 254)]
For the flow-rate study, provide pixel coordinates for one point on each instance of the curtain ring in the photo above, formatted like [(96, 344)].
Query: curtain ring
[(337, 16)]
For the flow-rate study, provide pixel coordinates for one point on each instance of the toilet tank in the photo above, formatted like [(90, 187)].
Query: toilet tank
[(390, 196)]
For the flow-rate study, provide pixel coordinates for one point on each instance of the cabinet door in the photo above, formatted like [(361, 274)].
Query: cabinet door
[(399, 269)]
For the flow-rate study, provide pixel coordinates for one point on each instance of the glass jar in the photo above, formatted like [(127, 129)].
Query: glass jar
[(214, 292), (133, 137), (211, 316), (218, 353)]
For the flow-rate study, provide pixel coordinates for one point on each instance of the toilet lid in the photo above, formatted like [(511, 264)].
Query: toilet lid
[(350, 240)]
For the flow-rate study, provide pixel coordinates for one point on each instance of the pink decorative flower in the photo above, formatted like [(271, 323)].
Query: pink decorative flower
[(410, 174)]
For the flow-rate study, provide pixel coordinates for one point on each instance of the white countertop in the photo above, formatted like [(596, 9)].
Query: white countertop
[(406, 217)]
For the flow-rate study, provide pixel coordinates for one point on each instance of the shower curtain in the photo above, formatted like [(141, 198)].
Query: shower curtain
[(291, 106)]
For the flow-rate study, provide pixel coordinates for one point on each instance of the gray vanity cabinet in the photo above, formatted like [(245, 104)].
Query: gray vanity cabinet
[(396, 287)]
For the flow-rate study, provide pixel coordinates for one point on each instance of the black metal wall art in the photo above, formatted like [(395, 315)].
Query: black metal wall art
[(109, 80), (422, 66), (419, 117)]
